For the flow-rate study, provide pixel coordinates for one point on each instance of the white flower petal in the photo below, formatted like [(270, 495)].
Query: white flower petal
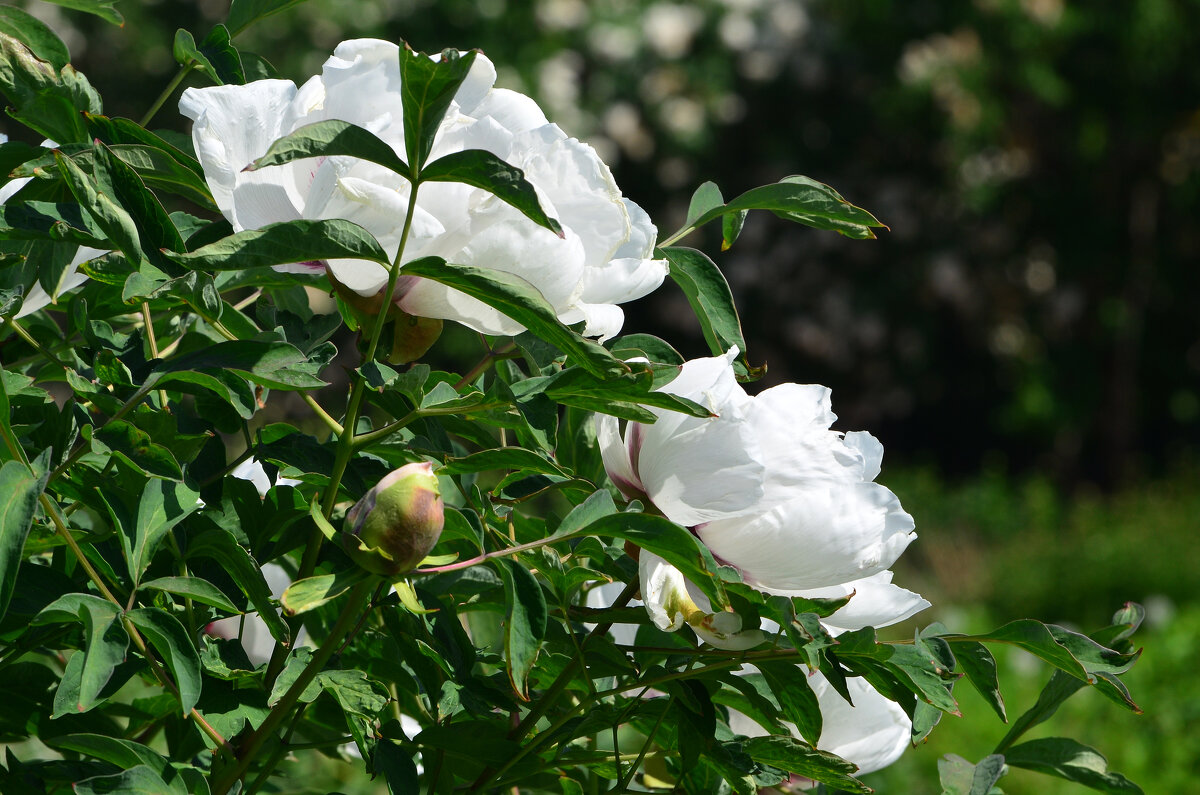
[(823, 536), (876, 603), (872, 734)]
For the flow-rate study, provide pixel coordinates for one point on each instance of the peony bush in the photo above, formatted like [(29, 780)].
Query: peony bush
[(581, 564)]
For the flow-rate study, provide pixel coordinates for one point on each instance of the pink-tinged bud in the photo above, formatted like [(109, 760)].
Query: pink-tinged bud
[(393, 527)]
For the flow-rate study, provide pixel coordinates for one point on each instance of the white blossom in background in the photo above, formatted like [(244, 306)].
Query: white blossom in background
[(773, 492), (604, 259), (37, 297), (256, 638)]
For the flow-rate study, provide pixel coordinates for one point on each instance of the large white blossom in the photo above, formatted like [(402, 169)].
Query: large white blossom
[(603, 259), (773, 492), (71, 277)]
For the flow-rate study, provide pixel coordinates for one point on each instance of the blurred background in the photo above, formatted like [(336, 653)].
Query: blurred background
[(1024, 340)]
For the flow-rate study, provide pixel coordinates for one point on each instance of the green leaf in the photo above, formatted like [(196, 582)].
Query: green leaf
[(285, 243), (514, 458), (332, 138), (243, 13), (522, 302), (20, 488), (577, 387), (671, 543), (36, 220), (140, 780), (708, 293), (598, 505), (524, 624), (1070, 652), (34, 33), (794, 756), (159, 170), (45, 98), (215, 56), (163, 505), (105, 9), (427, 88), (194, 588), (797, 700), (117, 132), (219, 544), (107, 643), (117, 224), (171, 641), (1066, 758), (117, 179), (396, 765), (277, 365), (706, 199), (960, 777), (135, 447), (979, 665), (482, 169), (798, 199), (117, 751), (312, 592)]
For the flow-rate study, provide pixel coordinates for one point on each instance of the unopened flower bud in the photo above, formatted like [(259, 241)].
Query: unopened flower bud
[(393, 527)]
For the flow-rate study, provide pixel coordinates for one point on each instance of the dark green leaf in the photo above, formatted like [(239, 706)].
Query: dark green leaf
[(798, 199), (285, 243), (35, 220), (794, 756), (708, 293), (194, 588), (789, 683), (218, 544), (135, 447), (427, 88), (243, 13), (215, 56), (979, 665), (670, 542), (577, 387), (397, 767), (1066, 758), (329, 139), (483, 169), (524, 624), (502, 458), (141, 780), (522, 302), (117, 751), (20, 488), (171, 641), (117, 132), (277, 365), (1071, 652), (117, 224), (34, 33)]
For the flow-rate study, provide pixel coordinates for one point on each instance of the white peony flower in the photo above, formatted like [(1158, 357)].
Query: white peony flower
[(873, 733), (603, 259), (71, 278), (772, 491)]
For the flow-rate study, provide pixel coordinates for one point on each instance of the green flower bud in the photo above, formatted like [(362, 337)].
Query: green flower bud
[(393, 527)]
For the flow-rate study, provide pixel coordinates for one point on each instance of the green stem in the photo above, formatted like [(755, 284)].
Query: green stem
[(499, 553), (547, 700), (253, 744), (33, 343), (167, 92), (153, 344)]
